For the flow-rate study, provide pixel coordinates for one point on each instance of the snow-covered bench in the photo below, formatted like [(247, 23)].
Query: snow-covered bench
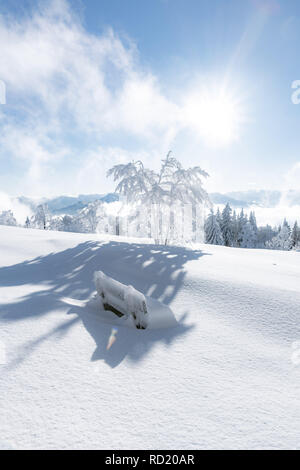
[(122, 299)]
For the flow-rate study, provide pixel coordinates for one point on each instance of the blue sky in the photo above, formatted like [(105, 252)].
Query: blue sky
[(94, 83)]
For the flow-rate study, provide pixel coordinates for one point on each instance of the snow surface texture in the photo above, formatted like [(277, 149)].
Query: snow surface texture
[(226, 375)]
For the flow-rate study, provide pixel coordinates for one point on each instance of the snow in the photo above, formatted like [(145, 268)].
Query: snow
[(126, 299), (160, 315), (226, 374)]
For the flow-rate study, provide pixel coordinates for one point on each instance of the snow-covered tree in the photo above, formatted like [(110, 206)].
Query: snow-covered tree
[(264, 235), (172, 184), (242, 221), (226, 225), (248, 236), (249, 232), (295, 235), (56, 223), (219, 217), (7, 218), (42, 218), (286, 225), (252, 220), (282, 241), (67, 224), (160, 192), (235, 229), (88, 218), (213, 234)]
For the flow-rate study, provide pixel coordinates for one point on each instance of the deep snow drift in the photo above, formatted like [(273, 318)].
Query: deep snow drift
[(225, 374)]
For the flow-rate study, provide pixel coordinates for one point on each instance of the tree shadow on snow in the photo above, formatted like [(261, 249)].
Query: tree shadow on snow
[(157, 271), (130, 342)]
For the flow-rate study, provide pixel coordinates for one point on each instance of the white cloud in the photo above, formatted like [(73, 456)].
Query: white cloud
[(36, 151), (275, 215), (292, 177), (98, 161), (20, 211), (63, 82), (72, 94), (94, 81)]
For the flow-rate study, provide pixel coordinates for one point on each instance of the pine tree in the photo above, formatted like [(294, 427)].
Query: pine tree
[(213, 234), (226, 225), (282, 241), (252, 220), (286, 225), (264, 235), (248, 236), (295, 235), (235, 229), (219, 217), (253, 223), (242, 220)]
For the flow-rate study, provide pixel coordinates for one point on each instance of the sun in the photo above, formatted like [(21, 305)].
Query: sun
[(215, 114)]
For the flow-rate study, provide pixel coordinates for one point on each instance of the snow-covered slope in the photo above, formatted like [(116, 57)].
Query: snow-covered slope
[(226, 376)]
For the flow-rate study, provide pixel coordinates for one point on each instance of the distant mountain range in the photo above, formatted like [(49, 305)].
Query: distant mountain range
[(260, 198), (238, 199), (68, 204)]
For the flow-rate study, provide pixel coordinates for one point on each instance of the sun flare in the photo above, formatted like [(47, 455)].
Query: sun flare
[(215, 115)]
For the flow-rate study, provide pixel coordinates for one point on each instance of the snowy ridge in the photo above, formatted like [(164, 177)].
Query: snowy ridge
[(224, 375)]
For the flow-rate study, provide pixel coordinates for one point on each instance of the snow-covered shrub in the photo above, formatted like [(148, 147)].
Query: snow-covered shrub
[(7, 218)]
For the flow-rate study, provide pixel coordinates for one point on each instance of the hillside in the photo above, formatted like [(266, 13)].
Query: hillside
[(226, 376)]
